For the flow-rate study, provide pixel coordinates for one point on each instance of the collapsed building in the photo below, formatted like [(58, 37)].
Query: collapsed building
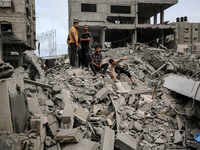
[(18, 33), (121, 22)]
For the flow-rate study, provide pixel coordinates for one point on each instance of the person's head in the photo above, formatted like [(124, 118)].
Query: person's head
[(85, 28), (97, 49), (75, 24), (111, 61)]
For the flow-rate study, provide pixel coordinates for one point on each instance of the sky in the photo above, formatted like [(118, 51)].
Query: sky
[(53, 14)]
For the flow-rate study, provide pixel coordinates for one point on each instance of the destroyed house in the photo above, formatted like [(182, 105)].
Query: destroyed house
[(121, 22), (17, 19)]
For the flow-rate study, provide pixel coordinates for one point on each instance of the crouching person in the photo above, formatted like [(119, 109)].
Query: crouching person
[(96, 64), (119, 69)]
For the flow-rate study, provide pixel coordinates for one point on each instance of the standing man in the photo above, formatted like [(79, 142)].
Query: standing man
[(119, 69), (85, 40), (73, 36), (96, 63)]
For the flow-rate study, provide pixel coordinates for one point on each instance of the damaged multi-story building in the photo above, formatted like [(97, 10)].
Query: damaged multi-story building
[(18, 33), (130, 21)]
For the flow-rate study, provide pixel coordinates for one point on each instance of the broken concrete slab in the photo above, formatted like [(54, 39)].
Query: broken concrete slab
[(52, 124), (56, 89), (81, 115), (85, 98), (102, 93), (131, 99), (195, 131), (108, 139), (126, 142), (123, 87), (84, 144), (179, 122), (68, 136), (68, 115), (183, 85), (178, 138), (157, 63), (137, 126)]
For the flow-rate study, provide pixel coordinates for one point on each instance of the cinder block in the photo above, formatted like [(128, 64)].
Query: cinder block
[(68, 115), (108, 139), (102, 93), (126, 142)]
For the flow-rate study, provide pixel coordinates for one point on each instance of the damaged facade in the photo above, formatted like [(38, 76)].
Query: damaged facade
[(17, 19), (122, 22)]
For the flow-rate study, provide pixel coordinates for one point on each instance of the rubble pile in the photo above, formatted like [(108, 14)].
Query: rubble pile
[(72, 109)]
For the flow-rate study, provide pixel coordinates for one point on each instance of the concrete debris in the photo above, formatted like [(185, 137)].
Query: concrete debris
[(108, 139), (67, 108), (6, 70), (125, 141), (68, 136)]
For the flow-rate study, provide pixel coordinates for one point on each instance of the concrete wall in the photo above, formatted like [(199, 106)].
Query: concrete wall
[(19, 20)]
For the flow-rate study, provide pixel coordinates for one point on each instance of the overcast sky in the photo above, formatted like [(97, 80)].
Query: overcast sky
[(53, 14)]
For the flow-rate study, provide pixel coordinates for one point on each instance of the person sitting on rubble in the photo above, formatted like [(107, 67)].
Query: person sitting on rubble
[(119, 69), (97, 63)]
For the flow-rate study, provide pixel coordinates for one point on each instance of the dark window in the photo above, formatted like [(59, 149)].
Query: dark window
[(6, 27), (121, 9), (88, 7)]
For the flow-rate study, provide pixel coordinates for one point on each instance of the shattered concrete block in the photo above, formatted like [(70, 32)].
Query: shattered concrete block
[(151, 68), (56, 89), (137, 126), (195, 131), (178, 138), (95, 109), (85, 98), (37, 124), (126, 142), (66, 96), (33, 106), (102, 93), (179, 122), (84, 144), (68, 136), (157, 63), (81, 115), (108, 139), (108, 80), (160, 141), (6, 70), (68, 115), (131, 99), (123, 87), (98, 84), (49, 103), (52, 124)]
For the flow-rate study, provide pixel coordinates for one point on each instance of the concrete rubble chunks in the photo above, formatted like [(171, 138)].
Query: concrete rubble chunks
[(52, 124), (68, 115), (6, 70), (179, 122), (84, 144), (81, 115), (102, 93), (85, 98), (183, 85), (195, 131), (137, 126), (131, 99), (126, 142), (157, 63), (55, 147), (37, 124), (178, 138), (33, 106), (68, 136), (66, 96), (108, 139), (123, 87), (56, 89)]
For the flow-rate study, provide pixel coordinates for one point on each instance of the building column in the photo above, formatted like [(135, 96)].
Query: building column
[(155, 17), (161, 15), (135, 35), (102, 38), (1, 45)]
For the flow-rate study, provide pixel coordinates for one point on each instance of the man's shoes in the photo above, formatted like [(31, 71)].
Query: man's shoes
[(134, 83)]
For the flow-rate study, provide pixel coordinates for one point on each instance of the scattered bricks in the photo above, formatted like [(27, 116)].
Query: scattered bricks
[(178, 138), (107, 139), (137, 126), (84, 144), (81, 115), (68, 136), (68, 115), (131, 99), (126, 142), (195, 131), (102, 93)]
